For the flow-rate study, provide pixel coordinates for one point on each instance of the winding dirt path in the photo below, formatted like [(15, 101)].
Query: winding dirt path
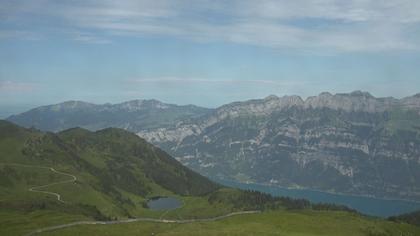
[(36, 188), (57, 227), (74, 178)]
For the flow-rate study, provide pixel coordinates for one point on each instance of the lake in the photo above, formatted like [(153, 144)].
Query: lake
[(164, 203), (365, 205)]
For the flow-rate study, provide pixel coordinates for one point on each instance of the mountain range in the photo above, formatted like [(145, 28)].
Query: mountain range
[(350, 143), (133, 115), (80, 182)]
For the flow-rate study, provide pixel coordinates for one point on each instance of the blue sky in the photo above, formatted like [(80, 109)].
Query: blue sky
[(204, 52)]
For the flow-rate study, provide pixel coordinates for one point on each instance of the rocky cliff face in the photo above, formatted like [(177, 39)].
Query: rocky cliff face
[(349, 143)]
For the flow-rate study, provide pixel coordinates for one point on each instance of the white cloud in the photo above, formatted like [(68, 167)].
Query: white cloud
[(356, 25), (16, 87), (19, 34), (350, 11), (89, 38), (181, 80)]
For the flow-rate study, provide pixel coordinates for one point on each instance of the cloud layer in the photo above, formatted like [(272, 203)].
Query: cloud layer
[(336, 26), (11, 87)]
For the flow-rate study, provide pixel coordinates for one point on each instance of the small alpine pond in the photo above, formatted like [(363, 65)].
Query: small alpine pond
[(164, 203)]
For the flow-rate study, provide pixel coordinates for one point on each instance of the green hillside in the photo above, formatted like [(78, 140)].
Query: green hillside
[(116, 173), (411, 218), (49, 179)]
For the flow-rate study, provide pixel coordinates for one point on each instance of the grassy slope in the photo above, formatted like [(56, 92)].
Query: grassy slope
[(411, 218), (116, 172), (300, 223)]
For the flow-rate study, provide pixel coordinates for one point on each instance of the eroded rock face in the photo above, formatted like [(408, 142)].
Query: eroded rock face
[(356, 101), (350, 143)]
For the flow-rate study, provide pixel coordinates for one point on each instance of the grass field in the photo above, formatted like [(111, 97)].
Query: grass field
[(302, 223), (14, 222), (26, 214), (22, 211)]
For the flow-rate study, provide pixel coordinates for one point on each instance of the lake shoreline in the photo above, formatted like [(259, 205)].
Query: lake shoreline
[(372, 206), (342, 194)]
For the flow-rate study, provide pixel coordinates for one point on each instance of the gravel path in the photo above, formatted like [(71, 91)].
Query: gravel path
[(74, 178), (52, 228), (36, 188)]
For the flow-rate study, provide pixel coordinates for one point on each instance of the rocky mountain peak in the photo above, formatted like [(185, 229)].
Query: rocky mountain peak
[(140, 104), (69, 105), (325, 94), (354, 101), (359, 93), (271, 97), (290, 101), (412, 102)]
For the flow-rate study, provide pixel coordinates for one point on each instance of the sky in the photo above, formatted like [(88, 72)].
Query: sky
[(204, 52)]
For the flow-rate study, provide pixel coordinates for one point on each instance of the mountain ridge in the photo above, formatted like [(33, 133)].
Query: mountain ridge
[(132, 115), (285, 101), (338, 101), (346, 143), (352, 143)]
